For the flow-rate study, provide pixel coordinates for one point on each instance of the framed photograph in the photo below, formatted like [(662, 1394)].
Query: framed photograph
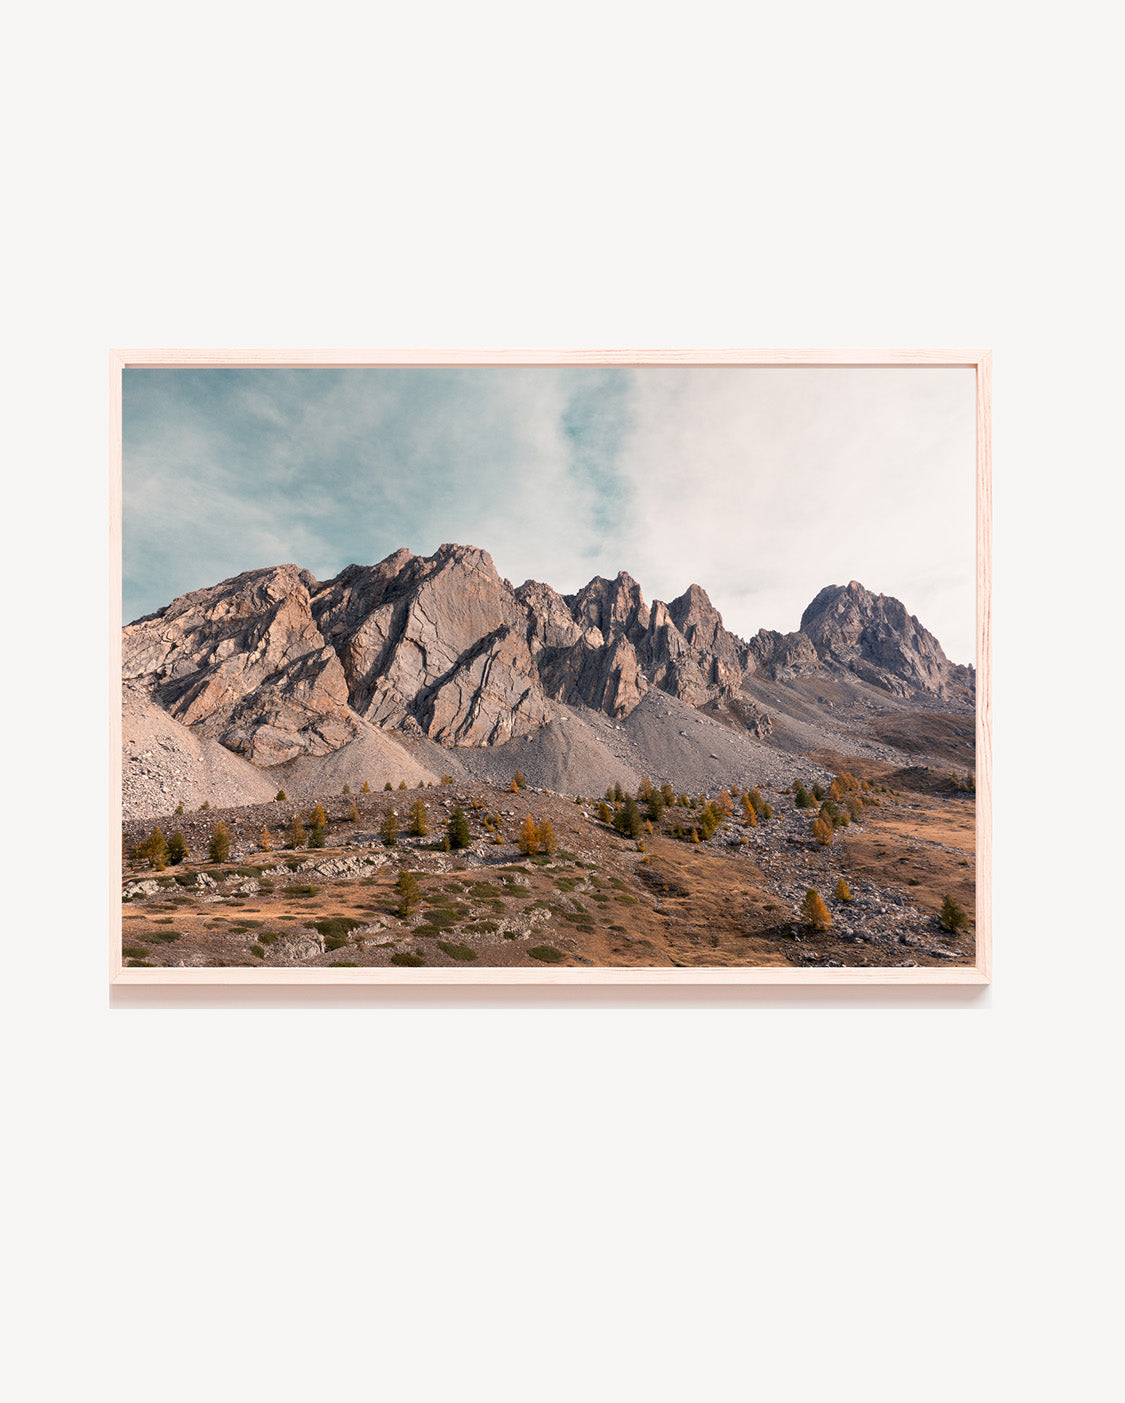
[(579, 667)]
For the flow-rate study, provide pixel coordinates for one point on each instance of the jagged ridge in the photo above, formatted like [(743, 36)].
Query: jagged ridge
[(274, 664)]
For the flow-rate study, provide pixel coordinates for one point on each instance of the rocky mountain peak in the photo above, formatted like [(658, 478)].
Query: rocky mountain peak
[(875, 637)]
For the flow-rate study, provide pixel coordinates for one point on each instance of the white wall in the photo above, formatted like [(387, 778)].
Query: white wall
[(767, 1196)]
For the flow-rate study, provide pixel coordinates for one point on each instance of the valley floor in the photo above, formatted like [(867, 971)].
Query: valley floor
[(600, 899)]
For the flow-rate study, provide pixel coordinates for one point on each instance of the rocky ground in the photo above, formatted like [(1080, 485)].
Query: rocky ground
[(598, 900)]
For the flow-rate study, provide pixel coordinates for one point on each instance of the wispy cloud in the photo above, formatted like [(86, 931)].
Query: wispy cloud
[(761, 485)]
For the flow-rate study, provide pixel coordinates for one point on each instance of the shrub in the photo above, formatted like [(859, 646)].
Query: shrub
[(409, 893), (456, 951), (177, 848), (419, 819), (814, 910), (219, 849), (279, 798), (843, 891), (954, 917), (404, 957), (258, 952), (547, 954), (388, 829), (458, 829)]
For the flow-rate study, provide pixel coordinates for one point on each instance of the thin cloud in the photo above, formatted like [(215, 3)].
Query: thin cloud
[(761, 485)]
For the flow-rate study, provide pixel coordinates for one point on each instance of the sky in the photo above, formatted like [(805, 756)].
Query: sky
[(763, 485)]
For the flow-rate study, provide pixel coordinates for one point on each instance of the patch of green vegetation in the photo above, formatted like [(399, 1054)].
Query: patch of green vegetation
[(335, 942), (482, 928), (268, 937), (619, 884), (623, 900), (139, 964), (404, 957), (617, 927), (184, 879), (257, 952), (576, 917), (162, 937), (134, 952), (455, 951), (484, 891), (510, 935), (547, 954), (566, 883), (165, 881), (300, 891), (336, 926)]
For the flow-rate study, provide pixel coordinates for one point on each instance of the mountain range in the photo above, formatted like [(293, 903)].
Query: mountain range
[(274, 664)]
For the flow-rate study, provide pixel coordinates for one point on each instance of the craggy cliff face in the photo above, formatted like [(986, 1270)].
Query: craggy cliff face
[(274, 664)]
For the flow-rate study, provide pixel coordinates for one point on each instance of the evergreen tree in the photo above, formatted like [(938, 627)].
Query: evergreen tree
[(843, 891), (155, 850), (316, 836), (458, 829), (628, 819), (618, 794), (279, 798), (529, 837), (954, 917), (177, 848), (266, 840), (668, 794), (603, 812), (546, 837), (803, 797), (388, 829), (519, 779), (387, 787), (318, 818), (366, 788), (219, 849), (180, 807), (419, 819), (409, 893), (402, 784), (296, 837), (347, 789), (353, 812), (814, 911)]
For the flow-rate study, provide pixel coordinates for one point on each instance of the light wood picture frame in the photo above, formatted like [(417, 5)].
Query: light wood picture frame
[(972, 810)]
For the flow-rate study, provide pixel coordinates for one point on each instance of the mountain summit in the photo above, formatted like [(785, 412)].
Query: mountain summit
[(275, 664)]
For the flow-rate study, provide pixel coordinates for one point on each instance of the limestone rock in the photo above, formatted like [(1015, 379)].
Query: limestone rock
[(876, 638)]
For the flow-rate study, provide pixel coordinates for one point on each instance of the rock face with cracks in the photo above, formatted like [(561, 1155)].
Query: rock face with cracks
[(274, 664)]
